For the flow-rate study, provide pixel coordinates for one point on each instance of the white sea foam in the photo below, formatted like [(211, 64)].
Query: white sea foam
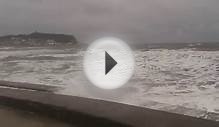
[(169, 80)]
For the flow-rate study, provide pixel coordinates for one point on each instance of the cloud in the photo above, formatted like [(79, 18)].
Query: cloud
[(139, 21)]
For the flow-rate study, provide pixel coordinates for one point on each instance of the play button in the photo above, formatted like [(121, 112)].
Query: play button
[(108, 63)]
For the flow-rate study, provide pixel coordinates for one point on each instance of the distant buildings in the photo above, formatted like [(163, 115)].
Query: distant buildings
[(38, 39)]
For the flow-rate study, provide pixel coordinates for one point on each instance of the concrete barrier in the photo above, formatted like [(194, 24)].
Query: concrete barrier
[(92, 112)]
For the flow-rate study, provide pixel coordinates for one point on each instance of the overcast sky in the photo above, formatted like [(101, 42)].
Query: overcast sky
[(134, 20)]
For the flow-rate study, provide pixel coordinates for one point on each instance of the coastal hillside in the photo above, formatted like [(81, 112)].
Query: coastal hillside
[(37, 39)]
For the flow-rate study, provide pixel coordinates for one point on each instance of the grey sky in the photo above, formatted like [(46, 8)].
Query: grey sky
[(134, 20)]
